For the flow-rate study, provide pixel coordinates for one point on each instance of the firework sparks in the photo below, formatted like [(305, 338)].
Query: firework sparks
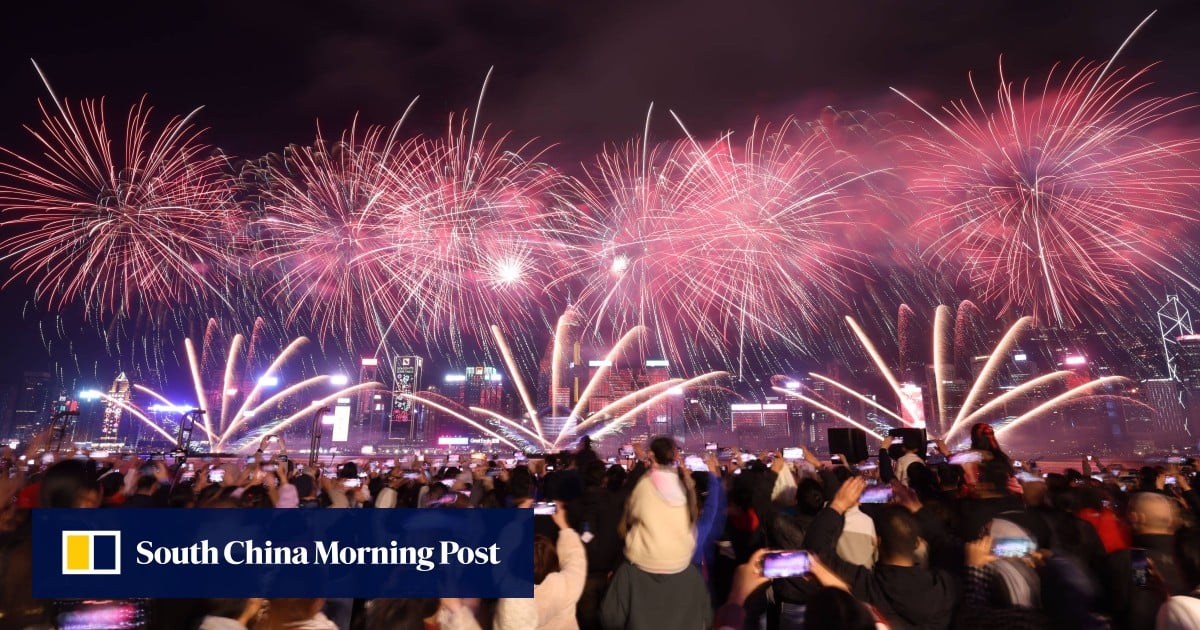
[(719, 239), (1054, 197), (141, 223)]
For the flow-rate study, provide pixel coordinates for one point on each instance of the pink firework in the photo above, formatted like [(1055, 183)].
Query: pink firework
[(1053, 198), (474, 234), (327, 231), (722, 240), (424, 238), (114, 222)]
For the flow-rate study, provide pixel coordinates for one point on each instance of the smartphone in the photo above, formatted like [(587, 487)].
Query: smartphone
[(250, 460), (877, 494), (785, 564), (793, 454), (187, 475), (452, 459), (545, 508), (836, 459), (711, 446), (1089, 458), (1141, 566), (627, 451), (449, 483), (1170, 480), (48, 458), (695, 464), (109, 614), (216, 475), (412, 475), (747, 458), (1018, 464), (270, 468), (1013, 547)]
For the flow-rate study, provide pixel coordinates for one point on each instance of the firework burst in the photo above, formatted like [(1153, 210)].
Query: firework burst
[(1051, 199), (328, 236), (116, 223), (720, 240)]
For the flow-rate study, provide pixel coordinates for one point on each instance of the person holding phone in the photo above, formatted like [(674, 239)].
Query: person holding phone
[(1138, 579), (559, 572), (903, 592)]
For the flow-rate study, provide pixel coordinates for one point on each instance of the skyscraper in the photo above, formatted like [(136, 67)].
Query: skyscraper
[(371, 410), (33, 405), (401, 424), (118, 395)]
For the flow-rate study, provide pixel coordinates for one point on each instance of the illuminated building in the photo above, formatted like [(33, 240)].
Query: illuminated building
[(118, 395), (32, 410), (760, 425), (402, 425), (372, 404)]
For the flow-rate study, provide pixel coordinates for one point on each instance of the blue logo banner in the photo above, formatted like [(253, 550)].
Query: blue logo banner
[(203, 553)]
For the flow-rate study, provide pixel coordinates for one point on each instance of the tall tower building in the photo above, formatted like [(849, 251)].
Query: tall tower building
[(118, 395), (401, 424), (1174, 322), (370, 410)]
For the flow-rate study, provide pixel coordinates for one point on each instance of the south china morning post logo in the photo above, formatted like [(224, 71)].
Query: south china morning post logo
[(91, 552), (282, 553)]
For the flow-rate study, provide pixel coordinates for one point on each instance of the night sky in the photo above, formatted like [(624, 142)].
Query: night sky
[(573, 74)]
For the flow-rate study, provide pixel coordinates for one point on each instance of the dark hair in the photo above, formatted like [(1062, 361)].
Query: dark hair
[(304, 486), (64, 484), (615, 477), (256, 497), (663, 449), (995, 474), (545, 558), (983, 438), (520, 483), (810, 498), (593, 474), (899, 532), (349, 470), (146, 482)]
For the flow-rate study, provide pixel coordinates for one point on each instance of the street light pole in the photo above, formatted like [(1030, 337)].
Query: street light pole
[(314, 445)]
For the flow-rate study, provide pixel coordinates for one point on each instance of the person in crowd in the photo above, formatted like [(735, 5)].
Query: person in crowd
[(903, 592), (658, 585), (1183, 611), (559, 575), (1139, 579), (596, 515)]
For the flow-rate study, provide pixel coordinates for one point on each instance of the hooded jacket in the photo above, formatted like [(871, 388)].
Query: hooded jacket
[(660, 537)]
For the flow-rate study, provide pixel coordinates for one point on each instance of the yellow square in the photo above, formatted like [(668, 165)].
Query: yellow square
[(79, 553)]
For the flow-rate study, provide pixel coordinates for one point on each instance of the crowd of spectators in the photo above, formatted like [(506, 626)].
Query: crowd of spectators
[(918, 537)]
